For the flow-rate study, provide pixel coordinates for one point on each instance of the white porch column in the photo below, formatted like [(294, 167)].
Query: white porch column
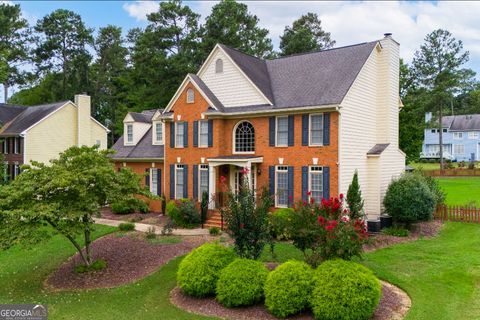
[(211, 186)]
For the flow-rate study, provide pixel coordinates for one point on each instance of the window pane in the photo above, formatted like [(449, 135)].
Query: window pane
[(203, 181), (190, 96), (316, 129), (179, 183), (203, 128), (129, 133), (282, 187), (154, 182), (245, 137), (179, 135), (282, 131), (159, 132), (316, 184)]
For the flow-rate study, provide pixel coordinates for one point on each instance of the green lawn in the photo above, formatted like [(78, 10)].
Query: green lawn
[(441, 275), (461, 190), (425, 166)]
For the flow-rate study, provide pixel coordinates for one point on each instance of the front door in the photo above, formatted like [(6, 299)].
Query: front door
[(239, 175)]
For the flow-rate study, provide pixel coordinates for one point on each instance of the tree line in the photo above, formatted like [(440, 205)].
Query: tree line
[(143, 69)]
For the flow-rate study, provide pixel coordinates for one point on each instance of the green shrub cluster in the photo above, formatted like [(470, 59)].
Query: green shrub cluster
[(241, 283), (214, 231), (280, 220), (95, 266), (344, 290), (411, 198), (396, 231), (288, 288), (130, 205), (183, 213), (127, 226), (199, 271)]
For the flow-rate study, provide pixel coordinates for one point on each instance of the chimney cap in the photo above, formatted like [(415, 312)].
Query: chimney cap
[(387, 35)]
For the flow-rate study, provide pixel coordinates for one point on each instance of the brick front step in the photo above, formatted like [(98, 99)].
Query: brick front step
[(214, 220)]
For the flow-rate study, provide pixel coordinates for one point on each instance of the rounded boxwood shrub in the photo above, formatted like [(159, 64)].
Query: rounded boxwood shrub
[(198, 272), (288, 288), (344, 290), (409, 199), (241, 283)]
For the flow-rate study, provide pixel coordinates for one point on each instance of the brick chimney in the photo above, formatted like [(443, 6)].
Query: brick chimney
[(82, 101)]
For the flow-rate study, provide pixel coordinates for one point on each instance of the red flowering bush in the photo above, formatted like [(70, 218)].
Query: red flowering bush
[(325, 231)]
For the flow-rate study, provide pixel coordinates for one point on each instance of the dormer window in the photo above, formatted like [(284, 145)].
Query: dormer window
[(159, 132), (129, 133), (190, 96), (219, 66)]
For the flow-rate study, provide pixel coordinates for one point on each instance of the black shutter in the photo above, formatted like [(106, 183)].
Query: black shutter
[(185, 134), (210, 133), (185, 181), (195, 133), (290, 186), (304, 183), (172, 181), (326, 182), (159, 182), (326, 129), (172, 135), (271, 132), (291, 130), (195, 182), (271, 180), (147, 178), (305, 125)]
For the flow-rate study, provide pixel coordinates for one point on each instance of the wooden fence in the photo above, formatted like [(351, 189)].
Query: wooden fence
[(457, 213), (453, 173)]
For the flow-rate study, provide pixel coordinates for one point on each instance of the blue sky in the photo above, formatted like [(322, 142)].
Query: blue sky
[(348, 21)]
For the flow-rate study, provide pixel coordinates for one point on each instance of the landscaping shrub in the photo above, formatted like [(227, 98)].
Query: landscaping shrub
[(344, 290), (127, 226), (95, 266), (126, 206), (288, 288), (435, 188), (409, 199), (150, 234), (354, 199), (214, 231), (183, 213), (199, 271), (326, 231), (396, 231), (280, 221), (167, 228), (241, 283), (247, 220)]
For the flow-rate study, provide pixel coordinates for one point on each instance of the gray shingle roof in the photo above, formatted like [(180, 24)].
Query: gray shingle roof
[(464, 122), (207, 91), (378, 149), (29, 117), (144, 116), (144, 149), (8, 112)]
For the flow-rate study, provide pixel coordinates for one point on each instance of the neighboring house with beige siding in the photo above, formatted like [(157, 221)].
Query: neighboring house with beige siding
[(41, 133)]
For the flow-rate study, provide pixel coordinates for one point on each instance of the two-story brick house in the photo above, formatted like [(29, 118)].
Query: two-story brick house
[(301, 125), (40, 133)]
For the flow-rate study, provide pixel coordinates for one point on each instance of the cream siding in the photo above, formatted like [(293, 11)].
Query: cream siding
[(231, 86), (97, 132), (369, 115), (139, 130)]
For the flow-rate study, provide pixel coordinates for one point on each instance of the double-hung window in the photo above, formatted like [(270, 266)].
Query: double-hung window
[(458, 135), (473, 135), (190, 96), (316, 129), (282, 131), (179, 134), (158, 132), (459, 149), (5, 146), (315, 183), (203, 178), (15, 146), (179, 183), (281, 186), (203, 133), (129, 133), (154, 181)]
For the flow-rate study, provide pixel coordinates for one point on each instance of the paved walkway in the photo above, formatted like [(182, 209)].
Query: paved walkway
[(143, 227)]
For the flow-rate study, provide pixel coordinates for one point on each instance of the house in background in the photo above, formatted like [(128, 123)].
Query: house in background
[(142, 149), (41, 132), (300, 125), (461, 138)]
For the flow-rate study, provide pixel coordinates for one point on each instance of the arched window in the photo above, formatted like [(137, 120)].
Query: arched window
[(219, 66), (190, 96), (244, 135)]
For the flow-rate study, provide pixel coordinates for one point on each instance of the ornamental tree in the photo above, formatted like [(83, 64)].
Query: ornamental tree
[(354, 199), (65, 194)]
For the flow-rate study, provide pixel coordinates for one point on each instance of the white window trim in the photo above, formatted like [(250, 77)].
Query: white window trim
[(15, 145), (152, 180), (473, 135), (276, 131), (217, 71), (5, 146), (455, 151), (177, 166), (310, 180), (310, 144), (201, 167), (199, 133), (234, 147), (276, 180), (192, 96), (129, 125), (176, 125), (458, 136), (154, 133)]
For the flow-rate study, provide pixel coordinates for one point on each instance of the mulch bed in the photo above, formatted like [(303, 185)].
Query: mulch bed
[(148, 218), (128, 258), (393, 305), (420, 230)]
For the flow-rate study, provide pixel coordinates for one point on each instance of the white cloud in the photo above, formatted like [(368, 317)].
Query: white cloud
[(140, 9)]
